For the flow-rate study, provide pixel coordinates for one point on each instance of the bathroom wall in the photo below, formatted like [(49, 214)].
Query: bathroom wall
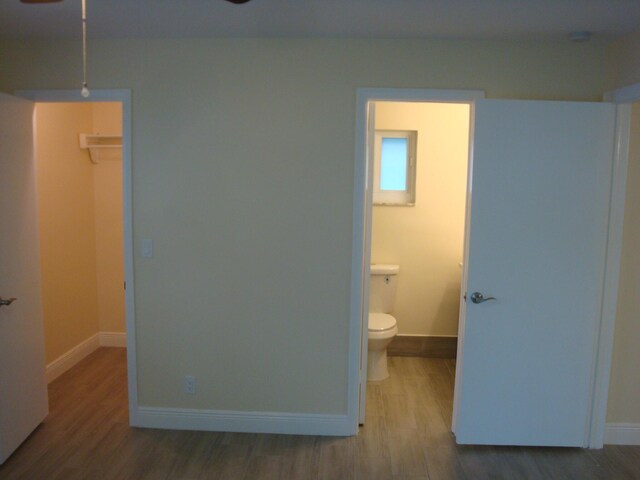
[(67, 229), (625, 380), (107, 183), (80, 222), (426, 240)]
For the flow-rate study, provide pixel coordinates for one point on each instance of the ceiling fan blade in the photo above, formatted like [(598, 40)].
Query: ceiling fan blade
[(238, 2)]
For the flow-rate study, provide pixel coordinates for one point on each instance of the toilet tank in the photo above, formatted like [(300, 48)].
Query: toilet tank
[(382, 287)]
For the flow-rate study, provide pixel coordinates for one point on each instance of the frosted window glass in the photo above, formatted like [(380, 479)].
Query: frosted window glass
[(393, 164)]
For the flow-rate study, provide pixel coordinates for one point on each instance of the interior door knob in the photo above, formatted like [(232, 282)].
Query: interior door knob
[(7, 302), (477, 297)]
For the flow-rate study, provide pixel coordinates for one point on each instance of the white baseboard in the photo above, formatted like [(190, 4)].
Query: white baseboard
[(622, 434), (113, 339), (251, 422), (70, 358)]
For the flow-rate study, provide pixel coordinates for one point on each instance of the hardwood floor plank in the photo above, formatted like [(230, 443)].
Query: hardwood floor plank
[(374, 406), (190, 464), (336, 458), (481, 463), (227, 462), (372, 439), (619, 461), (268, 467), (303, 457), (408, 455), (129, 451), (397, 414), (406, 436), (443, 463), (372, 468), (568, 463)]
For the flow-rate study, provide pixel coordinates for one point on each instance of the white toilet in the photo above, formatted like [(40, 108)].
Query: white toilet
[(382, 326)]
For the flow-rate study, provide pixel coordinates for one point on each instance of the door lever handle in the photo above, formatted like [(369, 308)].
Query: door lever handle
[(477, 297), (7, 302)]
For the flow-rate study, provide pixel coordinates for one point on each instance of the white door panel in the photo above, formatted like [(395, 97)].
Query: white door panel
[(364, 327), (23, 389), (540, 200)]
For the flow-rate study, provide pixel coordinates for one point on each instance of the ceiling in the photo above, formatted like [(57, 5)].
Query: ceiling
[(470, 19)]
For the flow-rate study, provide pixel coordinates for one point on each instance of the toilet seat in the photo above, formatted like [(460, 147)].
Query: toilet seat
[(381, 322)]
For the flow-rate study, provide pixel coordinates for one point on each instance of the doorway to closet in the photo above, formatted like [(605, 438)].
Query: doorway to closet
[(78, 159)]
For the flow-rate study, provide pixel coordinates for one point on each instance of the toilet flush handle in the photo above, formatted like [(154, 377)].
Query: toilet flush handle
[(477, 297)]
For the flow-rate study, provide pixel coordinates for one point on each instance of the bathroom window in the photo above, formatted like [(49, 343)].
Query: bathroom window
[(394, 169)]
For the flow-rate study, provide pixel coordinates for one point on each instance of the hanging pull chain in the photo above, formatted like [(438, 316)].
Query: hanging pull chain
[(85, 89)]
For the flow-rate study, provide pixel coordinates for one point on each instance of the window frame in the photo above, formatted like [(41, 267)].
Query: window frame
[(405, 197)]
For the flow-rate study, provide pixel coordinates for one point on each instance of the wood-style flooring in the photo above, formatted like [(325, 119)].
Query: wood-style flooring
[(406, 436)]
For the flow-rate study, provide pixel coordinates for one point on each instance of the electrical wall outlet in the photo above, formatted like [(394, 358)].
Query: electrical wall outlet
[(189, 384), (146, 248)]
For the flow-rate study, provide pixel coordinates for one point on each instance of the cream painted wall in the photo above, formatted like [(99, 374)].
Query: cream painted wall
[(107, 184), (66, 224), (624, 392), (107, 118), (243, 154), (426, 240), (623, 61)]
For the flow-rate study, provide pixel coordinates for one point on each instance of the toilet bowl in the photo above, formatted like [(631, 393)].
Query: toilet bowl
[(382, 329), (382, 325)]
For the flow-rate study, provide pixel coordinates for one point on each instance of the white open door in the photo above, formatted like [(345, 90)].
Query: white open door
[(539, 214), (23, 389), (364, 333)]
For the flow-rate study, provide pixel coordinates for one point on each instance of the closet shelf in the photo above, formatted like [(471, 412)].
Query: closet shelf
[(95, 142)]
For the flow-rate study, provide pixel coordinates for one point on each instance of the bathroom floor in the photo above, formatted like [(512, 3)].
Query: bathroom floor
[(406, 436), (415, 386)]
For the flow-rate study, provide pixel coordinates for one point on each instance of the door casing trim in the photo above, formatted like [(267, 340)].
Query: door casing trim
[(361, 246), (622, 97)]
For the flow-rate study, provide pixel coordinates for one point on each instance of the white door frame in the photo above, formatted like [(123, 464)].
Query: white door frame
[(622, 97), (124, 97), (361, 247)]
